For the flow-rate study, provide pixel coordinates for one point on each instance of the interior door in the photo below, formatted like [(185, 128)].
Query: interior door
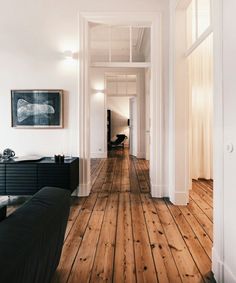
[(133, 126)]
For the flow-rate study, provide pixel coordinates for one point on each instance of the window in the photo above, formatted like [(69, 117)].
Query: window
[(203, 15), (198, 17)]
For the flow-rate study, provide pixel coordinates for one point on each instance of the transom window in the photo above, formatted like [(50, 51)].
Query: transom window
[(198, 20), (119, 43)]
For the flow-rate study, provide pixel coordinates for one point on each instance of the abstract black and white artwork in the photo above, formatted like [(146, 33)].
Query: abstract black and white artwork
[(37, 108)]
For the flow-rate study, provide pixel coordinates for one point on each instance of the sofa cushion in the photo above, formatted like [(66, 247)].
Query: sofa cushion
[(3, 212), (31, 238)]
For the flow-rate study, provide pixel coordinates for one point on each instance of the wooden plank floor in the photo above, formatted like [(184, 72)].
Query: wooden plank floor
[(120, 234)]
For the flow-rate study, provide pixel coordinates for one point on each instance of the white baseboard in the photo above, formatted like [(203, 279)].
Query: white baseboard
[(222, 273), (99, 154), (158, 191), (180, 198), (141, 155), (228, 275), (217, 266), (82, 191)]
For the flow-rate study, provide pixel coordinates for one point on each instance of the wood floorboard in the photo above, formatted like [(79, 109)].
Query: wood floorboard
[(124, 264), (119, 233), (181, 254), (204, 206), (145, 267), (165, 264), (198, 253), (83, 263), (202, 218)]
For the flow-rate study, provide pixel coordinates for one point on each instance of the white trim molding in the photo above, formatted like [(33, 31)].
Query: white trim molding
[(222, 272), (228, 275), (141, 154), (181, 198), (217, 266), (218, 147), (120, 65)]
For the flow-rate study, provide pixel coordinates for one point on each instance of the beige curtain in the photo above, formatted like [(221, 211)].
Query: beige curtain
[(201, 96)]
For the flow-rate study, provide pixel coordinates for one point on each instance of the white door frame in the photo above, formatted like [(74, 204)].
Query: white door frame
[(178, 108), (218, 140), (156, 111), (134, 142)]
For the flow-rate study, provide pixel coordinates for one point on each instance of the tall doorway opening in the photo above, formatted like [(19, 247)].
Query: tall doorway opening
[(120, 56), (138, 29), (192, 110)]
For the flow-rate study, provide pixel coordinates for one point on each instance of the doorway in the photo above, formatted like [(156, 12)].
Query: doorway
[(190, 97), (153, 21), (124, 96), (192, 107)]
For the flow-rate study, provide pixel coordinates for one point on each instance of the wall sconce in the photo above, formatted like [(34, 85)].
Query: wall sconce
[(100, 94), (69, 55)]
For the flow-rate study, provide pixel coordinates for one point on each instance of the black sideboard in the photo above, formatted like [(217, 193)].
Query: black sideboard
[(26, 178)]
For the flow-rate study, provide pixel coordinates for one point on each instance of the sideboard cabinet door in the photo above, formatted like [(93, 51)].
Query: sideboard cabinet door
[(55, 175), (21, 179), (2, 180)]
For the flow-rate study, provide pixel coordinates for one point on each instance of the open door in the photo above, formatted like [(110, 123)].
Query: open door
[(133, 126)]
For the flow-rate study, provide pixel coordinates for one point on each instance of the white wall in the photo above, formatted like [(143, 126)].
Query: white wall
[(97, 122), (33, 34), (98, 129)]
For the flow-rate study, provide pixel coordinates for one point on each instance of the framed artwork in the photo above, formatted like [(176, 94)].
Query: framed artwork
[(37, 108)]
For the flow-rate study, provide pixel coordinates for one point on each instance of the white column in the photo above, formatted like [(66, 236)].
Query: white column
[(179, 111), (84, 117), (158, 188)]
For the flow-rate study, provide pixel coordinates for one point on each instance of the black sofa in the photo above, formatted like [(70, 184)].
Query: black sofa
[(31, 238)]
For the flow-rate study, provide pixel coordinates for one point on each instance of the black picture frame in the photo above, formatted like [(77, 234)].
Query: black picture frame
[(37, 108)]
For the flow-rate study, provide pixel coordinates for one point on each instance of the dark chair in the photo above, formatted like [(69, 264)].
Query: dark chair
[(119, 142)]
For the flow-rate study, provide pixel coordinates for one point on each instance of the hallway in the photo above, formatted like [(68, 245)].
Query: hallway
[(120, 234)]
